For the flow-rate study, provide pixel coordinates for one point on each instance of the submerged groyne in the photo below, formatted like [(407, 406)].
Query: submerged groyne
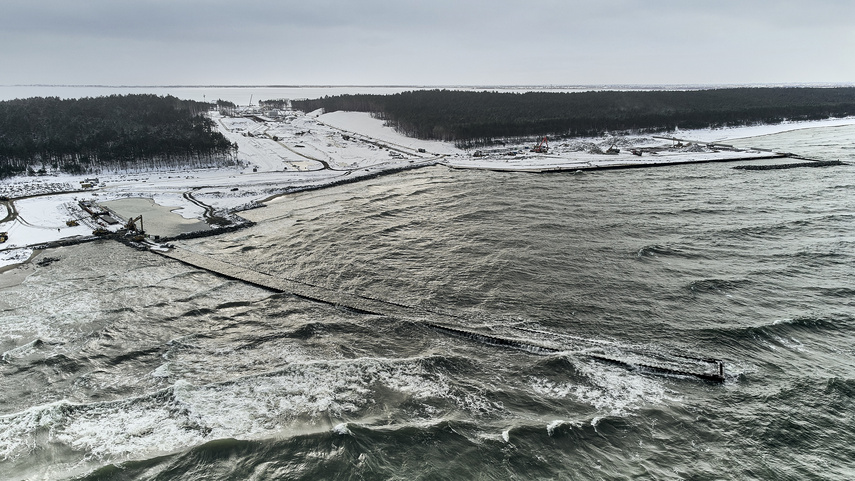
[(533, 341), (816, 163)]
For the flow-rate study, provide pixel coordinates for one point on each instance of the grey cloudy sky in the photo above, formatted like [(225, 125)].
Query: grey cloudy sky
[(437, 42)]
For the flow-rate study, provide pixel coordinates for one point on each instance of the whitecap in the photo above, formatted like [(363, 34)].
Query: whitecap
[(341, 429), (610, 389), (550, 428)]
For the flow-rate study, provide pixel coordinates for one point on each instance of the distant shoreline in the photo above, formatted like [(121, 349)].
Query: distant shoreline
[(242, 94), (356, 145), (464, 86)]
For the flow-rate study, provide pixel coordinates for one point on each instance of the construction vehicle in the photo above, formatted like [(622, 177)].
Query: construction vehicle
[(100, 231), (132, 226), (613, 150), (72, 223), (542, 147), (4, 236)]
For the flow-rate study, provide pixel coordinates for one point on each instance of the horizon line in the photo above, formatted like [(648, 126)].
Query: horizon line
[(511, 86)]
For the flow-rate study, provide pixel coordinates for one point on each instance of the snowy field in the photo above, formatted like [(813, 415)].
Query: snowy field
[(590, 153), (314, 150)]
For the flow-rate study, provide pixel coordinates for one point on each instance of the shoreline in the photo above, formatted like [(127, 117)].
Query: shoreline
[(15, 274), (617, 166), (345, 147)]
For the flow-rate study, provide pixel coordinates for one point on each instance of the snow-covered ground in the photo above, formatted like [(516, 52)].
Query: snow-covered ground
[(702, 145), (729, 134), (314, 150), (362, 124)]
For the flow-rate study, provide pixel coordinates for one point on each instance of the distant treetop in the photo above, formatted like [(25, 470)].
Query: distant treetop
[(476, 117), (89, 135)]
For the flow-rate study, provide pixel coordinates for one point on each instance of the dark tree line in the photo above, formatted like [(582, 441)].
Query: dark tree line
[(476, 117), (89, 135), (274, 104), (225, 107)]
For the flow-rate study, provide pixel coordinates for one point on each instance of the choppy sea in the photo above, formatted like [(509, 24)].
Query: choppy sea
[(119, 364)]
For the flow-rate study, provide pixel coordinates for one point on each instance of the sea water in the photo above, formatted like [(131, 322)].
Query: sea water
[(120, 364)]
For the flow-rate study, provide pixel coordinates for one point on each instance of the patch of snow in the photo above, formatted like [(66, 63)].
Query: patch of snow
[(14, 256), (733, 133), (43, 219), (363, 123)]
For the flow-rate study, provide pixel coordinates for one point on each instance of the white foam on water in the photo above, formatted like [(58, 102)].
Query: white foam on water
[(162, 371), (21, 351), (341, 429), (153, 423), (610, 389), (125, 429), (18, 431), (551, 427), (252, 407), (317, 389), (791, 343), (506, 435), (50, 312)]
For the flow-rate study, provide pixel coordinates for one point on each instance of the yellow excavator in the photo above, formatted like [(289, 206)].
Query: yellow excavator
[(132, 225), (4, 236)]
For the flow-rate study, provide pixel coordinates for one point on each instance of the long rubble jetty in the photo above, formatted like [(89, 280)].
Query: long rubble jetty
[(303, 290), (532, 341), (814, 163)]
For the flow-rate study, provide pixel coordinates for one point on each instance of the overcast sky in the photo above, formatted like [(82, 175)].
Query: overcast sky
[(436, 42)]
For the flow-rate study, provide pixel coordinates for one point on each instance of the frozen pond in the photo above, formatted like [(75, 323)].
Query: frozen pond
[(157, 219)]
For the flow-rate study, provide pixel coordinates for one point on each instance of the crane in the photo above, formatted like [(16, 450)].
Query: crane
[(542, 147)]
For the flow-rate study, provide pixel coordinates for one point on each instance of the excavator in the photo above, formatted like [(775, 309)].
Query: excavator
[(542, 147), (132, 226)]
